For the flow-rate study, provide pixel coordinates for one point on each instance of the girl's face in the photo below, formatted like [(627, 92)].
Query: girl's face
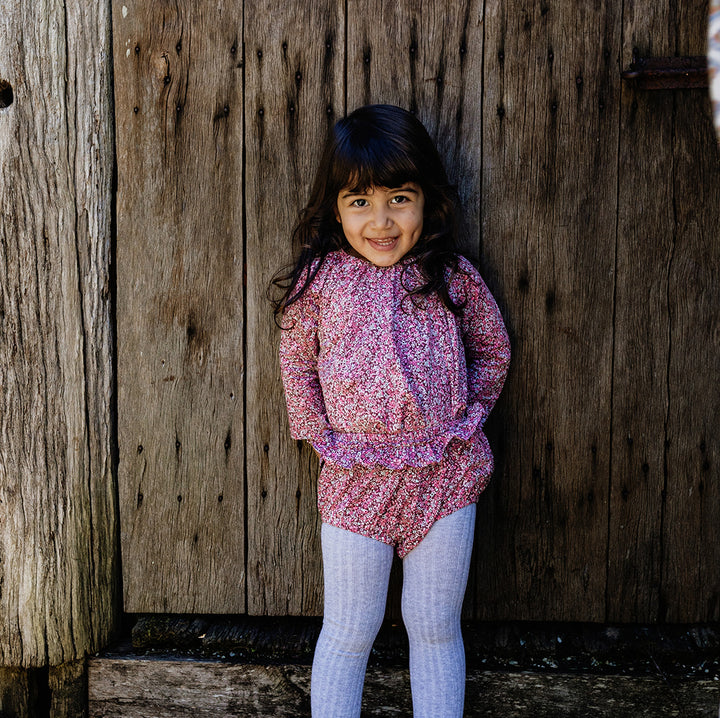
[(382, 224)]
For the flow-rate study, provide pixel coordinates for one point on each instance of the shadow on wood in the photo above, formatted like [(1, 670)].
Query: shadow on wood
[(57, 692)]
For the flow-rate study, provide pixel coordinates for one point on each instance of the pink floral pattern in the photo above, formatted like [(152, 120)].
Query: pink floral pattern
[(392, 393)]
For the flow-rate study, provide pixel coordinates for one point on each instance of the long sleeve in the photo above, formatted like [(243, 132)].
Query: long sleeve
[(373, 379), (487, 346), (299, 348)]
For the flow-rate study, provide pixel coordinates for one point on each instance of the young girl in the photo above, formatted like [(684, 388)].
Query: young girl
[(393, 353)]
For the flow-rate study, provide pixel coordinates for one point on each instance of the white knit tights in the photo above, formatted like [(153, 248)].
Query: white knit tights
[(357, 570)]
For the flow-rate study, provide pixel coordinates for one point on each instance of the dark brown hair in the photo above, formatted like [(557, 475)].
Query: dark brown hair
[(376, 146)]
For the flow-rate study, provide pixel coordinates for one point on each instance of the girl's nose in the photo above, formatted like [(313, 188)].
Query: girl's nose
[(381, 218)]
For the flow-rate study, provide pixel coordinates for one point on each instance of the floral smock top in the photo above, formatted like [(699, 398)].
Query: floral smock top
[(375, 377), (392, 392)]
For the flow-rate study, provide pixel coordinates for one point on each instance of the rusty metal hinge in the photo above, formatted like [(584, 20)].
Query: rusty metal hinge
[(668, 73)]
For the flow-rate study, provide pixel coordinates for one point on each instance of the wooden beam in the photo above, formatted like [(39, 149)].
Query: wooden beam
[(158, 688), (59, 561)]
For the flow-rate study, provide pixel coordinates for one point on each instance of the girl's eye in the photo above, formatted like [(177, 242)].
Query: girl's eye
[(359, 203), (399, 199)]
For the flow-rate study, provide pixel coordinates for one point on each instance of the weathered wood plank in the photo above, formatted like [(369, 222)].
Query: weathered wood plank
[(550, 119), (691, 526), (294, 68), (178, 85), (58, 526), (120, 688), (172, 689), (663, 560), (427, 58), (57, 692), (640, 388), (18, 693), (68, 690)]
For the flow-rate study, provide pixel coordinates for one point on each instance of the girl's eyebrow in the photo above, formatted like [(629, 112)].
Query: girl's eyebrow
[(358, 193)]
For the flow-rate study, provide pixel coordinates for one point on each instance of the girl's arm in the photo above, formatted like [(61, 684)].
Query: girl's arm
[(299, 348), (487, 346)]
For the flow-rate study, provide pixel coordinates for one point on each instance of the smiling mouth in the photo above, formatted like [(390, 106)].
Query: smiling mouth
[(382, 242)]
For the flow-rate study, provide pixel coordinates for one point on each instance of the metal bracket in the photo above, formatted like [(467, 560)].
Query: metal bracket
[(668, 73)]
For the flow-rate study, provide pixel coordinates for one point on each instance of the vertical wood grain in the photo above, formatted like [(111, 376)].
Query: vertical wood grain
[(640, 388), (68, 690), (19, 692), (58, 512), (690, 589), (663, 561), (550, 119), (426, 58), (294, 68), (56, 692), (179, 109)]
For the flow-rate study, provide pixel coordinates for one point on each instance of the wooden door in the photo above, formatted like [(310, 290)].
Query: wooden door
[(592, 210)]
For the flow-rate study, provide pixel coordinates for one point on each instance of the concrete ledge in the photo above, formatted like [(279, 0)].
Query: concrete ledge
[(156, 687)]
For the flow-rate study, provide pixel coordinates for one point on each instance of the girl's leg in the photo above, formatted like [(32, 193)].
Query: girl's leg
[(434, 579), (357, 570)]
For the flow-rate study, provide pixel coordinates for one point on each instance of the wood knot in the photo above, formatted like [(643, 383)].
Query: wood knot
[(6, 94)]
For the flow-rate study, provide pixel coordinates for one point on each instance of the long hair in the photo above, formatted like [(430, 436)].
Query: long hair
[(376, 146)]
